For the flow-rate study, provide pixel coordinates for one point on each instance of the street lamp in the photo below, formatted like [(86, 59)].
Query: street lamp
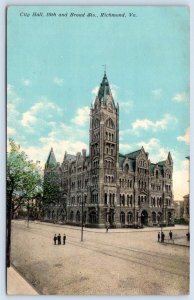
[(82, 226), (28, 210)]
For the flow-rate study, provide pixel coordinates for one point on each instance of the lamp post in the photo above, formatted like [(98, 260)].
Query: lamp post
[(28, 211), (82, 225)]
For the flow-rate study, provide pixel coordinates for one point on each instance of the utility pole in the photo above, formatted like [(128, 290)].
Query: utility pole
[(82, 226)]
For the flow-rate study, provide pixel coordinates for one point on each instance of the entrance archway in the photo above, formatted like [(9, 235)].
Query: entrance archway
[(111, 217), (144, 217)]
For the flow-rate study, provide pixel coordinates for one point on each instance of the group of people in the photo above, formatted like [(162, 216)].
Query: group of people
[(161, 236), (57, 239)]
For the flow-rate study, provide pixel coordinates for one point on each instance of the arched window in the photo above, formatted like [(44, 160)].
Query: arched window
[(78, 216), (129, 217), (153, 217), (128, 200), (71, 216), (110, 123), (93, 217), (126, 169), (122, 217)]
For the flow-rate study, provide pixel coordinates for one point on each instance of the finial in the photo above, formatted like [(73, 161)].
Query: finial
[(104, 69)]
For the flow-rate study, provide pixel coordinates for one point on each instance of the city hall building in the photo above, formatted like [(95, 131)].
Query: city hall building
[(107, 187)]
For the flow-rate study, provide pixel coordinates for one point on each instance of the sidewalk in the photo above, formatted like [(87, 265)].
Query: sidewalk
[(17, 285)]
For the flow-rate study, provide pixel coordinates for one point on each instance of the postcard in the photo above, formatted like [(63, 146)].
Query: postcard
[(98, 150)]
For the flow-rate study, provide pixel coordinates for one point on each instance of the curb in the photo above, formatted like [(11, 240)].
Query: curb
[(17, 284)]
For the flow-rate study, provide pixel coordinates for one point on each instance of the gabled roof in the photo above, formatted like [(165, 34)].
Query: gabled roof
[(131, 162), (134, 154)]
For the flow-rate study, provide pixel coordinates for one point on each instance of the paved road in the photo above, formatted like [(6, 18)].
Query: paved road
[(128, 262)]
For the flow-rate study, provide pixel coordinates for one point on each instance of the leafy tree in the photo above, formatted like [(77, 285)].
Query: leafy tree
[(23, 177), (23, 183), (51, 188)]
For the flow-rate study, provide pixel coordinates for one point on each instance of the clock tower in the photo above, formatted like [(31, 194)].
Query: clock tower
[(104, 150)]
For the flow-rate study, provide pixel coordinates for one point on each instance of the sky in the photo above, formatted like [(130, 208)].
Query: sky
[(55, 65)]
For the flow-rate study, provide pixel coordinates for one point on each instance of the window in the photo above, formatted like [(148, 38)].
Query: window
[(122, 217)]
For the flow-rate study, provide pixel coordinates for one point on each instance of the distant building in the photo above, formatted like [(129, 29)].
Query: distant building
[(179, 210), (186, 214), (109, 187)]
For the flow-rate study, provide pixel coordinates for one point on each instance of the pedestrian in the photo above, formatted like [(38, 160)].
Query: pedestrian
[(162, 237), (55, 239), (158, 236), (59, 239), (188, 236), (64, 239), (170, 235)]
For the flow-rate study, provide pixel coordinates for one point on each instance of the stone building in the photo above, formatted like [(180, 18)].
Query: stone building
[(124, 190), (179, 210), (186, 214)]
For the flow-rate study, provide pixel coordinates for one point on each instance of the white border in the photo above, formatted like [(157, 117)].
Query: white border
[(3, 5)]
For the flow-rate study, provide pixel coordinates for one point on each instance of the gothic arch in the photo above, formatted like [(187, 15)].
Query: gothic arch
[(110, 124)]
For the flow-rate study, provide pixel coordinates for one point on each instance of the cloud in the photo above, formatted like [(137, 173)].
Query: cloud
[(124, 147), (157, 93), (12, 96), (26, 82), (82, 116), (58, 81), (181, 180), (181, 97), (185, 138), (13, 114), (146, 124), (11, 131), (127, 105), (152, 143), (40, 112)]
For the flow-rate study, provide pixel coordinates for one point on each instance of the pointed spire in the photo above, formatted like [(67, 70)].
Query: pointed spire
[(51, 160), (104, 92), (169, 158), (104, 89)]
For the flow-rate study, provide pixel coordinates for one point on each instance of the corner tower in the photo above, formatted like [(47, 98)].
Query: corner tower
[(104, 148)]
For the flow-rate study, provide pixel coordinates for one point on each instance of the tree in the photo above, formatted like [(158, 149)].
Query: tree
[(51, 188), (52, 192), (23, 183)]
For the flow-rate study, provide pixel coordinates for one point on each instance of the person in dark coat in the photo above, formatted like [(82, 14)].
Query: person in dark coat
[(158, 236), (170, 235), (59, 239), (163, 237), (55, 239), (64, 239)]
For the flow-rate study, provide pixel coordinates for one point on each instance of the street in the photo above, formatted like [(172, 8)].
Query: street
[(120, 262)]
